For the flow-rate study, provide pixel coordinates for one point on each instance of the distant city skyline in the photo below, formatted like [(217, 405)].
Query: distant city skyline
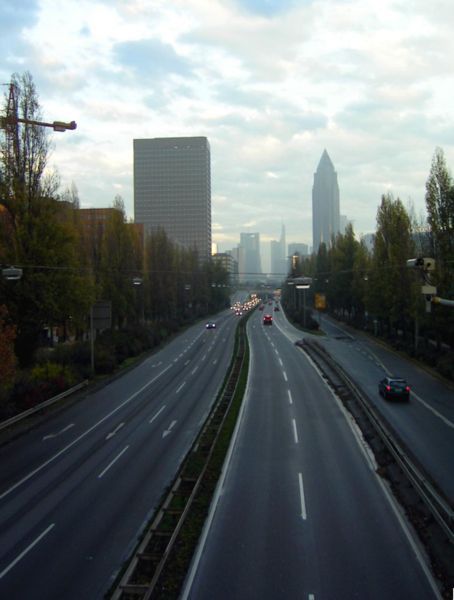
[(370, 83)]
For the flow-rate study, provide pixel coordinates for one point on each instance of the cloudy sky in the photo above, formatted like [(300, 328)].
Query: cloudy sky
[(271, 83)]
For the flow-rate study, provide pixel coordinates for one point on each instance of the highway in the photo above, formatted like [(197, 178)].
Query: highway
[(300, 511), (76, 490), (425, 424)]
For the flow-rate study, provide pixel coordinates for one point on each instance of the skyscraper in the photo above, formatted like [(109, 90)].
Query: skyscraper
[(325, 203), (172, 189), (250, 242), (278, 256)]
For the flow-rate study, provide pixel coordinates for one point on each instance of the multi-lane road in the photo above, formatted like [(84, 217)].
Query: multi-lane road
[(300, 511), (76, 490)]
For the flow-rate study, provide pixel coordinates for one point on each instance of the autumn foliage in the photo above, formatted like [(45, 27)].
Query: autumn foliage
[(7, 357)]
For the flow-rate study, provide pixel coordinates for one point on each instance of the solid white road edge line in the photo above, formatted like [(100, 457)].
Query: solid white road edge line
[(432, 410), (89, 430), (22, 554), (370, 459), (219, 487), (112, 463)]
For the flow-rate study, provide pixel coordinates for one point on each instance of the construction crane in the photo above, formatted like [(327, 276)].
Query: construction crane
[(10, 123), (11, 120)]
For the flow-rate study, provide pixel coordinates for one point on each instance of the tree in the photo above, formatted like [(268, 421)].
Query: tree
[(119, 265), (361, 268), (25, 149), (160, 277), (71, 195), (342, 258), (40, 235), (7, 356), (389, 295), (440, 216), (440, 206)]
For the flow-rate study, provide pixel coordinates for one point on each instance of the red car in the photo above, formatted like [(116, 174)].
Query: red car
[(267, 320)]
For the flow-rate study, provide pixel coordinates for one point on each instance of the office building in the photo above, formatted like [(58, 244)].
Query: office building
[(325, 203), (172, 190), (252, 267), (237, 255), (278, 257)]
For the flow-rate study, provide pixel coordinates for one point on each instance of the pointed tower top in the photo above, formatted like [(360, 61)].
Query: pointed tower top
[(325, 162)]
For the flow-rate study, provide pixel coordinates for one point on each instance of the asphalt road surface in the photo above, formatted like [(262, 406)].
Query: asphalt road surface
[(426, 423), (300, 511), (76, 490)]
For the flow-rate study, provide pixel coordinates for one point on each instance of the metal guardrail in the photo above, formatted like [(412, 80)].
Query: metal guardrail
[(38, 407), (437, 505)]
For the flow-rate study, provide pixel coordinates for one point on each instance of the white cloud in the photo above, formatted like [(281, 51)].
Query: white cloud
[(271, 84)]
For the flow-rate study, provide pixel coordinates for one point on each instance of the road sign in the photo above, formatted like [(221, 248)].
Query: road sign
[(101, 314)]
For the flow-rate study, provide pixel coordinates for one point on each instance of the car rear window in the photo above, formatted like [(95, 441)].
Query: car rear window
[(399, 385)]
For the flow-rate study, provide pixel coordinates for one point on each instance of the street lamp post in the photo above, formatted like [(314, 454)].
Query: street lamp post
[(138, 283), (303, 283)]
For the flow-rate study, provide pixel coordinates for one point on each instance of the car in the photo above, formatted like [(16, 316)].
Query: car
[(394, 388), (276, 308), (261, 307), (210, 325), (267, 320)]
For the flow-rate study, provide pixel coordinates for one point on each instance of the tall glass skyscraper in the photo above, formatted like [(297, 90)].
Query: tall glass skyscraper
[(252, 266), (172, 189), (325, 203), (279, 256)]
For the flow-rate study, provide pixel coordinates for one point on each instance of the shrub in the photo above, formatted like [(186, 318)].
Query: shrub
[(105, 359), (445, 365), (52, 378)]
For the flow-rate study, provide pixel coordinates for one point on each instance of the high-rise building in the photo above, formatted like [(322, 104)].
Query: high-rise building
[(172, 189), (238, 257), (252, 267), (325, 203), (278, 256)]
